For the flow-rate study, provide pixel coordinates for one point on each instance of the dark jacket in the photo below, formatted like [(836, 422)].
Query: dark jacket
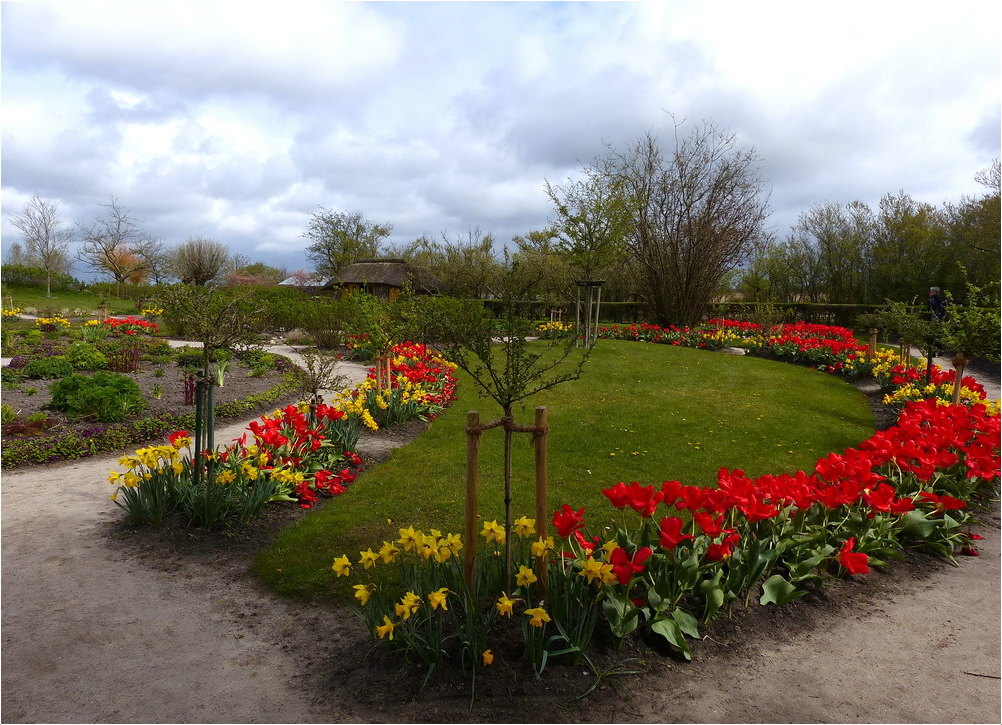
[(937, 306)]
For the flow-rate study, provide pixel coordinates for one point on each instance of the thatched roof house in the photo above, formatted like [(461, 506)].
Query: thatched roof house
[(382, 278)]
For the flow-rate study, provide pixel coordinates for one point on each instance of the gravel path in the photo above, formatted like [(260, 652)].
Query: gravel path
[(91, 634)]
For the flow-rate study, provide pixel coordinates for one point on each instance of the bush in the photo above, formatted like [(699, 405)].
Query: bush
[(47, 368), (103, 397), (84, 356), (7, 413)]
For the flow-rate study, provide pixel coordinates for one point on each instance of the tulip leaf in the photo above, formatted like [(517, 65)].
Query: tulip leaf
[(915, 524), (686, 622), (776, 590), (669, 629)]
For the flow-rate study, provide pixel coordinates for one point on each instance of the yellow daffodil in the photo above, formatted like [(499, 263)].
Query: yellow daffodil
[(609, 546), (493, 532), (368, 558), (363, 592), (386, 628), (388, 552), (407, 606), (488, 657), (410, 539), (525, 527), (537, 616), (341, 566), (438, 599), (113, 477), (540, 547), (505, 605), (226, 476), (453, 542), (593, 571), (525, 576)]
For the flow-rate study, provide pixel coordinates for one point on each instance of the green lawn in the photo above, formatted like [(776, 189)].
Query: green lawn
[(86, 302), (641, 412)]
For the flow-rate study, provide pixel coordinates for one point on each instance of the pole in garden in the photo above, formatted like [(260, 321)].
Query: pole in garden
[(472, 472), (872, 352), (959, 364), (540, 439)]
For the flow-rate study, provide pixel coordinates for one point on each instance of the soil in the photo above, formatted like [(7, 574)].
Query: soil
[(102, 623), (162, 387)]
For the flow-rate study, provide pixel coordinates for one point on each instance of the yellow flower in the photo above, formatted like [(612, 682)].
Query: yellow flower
[(386, 628), (368, 558), (525, 527), (341, 566), (504, 605), (540, 547), (609, 546), (438, 598), (488, 657), (130, 479), (388, 552), (113, 477), (226, 476), (593, 571), (493, 532), (537, 615), (525, 577), (114, 495), (407, 606), (363, 592), (409, 538), (249, 471), (453, 542)]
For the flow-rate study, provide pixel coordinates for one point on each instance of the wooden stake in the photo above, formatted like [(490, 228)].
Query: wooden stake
[(472, 472), (541, 435), (873, 343), (959, 364)]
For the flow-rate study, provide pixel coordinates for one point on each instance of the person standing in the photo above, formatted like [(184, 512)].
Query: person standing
[(937, 304)]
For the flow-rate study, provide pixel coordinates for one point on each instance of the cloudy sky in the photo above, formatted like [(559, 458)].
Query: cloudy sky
[(236, 120)]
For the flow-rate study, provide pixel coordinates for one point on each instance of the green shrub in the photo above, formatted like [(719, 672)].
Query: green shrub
[(259, 361), (84, 356), (33, 337), (7, 413), (103, 396), (48, 368), (13, 377)]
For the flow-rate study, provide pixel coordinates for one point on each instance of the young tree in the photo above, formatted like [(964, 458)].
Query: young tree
[(695, 213), (339, 238), (199, 260), (46, 239)]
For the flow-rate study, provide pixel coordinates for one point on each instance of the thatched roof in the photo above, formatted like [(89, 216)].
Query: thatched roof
[(392, 272)]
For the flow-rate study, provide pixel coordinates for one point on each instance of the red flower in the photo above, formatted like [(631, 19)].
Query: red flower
[(723, 550), (711, 525), (588, 546), (625, 567), (854, 562), (618, 495), (671, 533), (567, 520)]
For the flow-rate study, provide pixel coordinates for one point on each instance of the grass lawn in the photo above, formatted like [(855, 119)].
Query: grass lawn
[(87, 302), (641, 412)]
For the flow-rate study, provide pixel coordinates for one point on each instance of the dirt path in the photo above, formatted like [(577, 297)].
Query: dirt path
[(94, 630)]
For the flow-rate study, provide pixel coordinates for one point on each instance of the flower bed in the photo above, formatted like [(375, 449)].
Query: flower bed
[(293, 454), (682, 554)]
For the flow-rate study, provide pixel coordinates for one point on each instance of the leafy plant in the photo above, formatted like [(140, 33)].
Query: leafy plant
[(103, 396), (7, 413), (47, 368), (84, 356)]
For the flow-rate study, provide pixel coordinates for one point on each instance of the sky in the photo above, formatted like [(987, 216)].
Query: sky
[(238, 120)]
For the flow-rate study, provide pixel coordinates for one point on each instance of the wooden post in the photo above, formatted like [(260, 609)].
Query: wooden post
[(873, 343), (959, 364), (903, 353), (472, 472), (541, 435)]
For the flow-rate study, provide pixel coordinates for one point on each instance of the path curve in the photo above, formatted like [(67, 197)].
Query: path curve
[(90, 635)]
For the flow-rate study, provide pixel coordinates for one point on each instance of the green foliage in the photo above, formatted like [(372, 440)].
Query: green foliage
[(973, 329), (35, 277), (103, 396), (340, 238), (47, 368), (84, 356), (7, 413)]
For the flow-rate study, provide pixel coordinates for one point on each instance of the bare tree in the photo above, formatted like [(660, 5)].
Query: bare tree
[(199, 260), (46, 238), (109, 244), (158, 256), (696, 213)]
